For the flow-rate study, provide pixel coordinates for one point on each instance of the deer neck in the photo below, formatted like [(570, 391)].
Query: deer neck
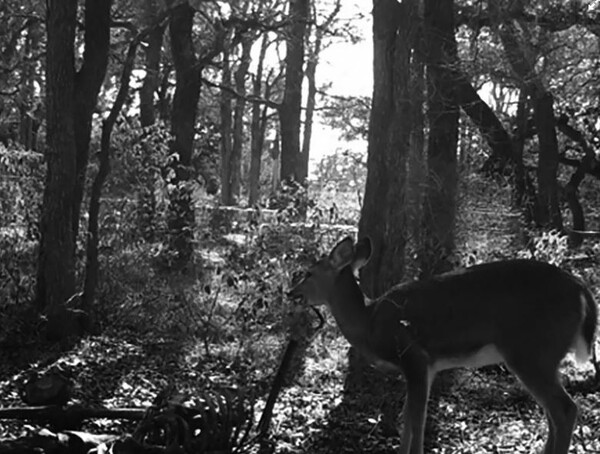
[(348, 308)]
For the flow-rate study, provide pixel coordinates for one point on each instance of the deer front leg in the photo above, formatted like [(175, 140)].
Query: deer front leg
[(418, 382)]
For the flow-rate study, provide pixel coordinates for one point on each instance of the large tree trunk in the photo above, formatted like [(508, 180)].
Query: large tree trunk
[(383, 214), (56, 266), (88, 81), (439, 208), (183, 120), (290, 110)]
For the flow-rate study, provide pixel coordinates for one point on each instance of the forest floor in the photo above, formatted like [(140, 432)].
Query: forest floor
[(234, 340)]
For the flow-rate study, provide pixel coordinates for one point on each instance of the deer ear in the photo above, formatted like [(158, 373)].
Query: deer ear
[(342, 254), (362, 253)]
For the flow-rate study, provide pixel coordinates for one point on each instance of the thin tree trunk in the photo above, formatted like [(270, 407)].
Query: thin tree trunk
[(226, 131), (518, 147), (56, 265), (310, 73), (29, 121), (238, 118), (439, 210), (572, 187), (257, 127), (91, 269), (88, 81), (290, 109)]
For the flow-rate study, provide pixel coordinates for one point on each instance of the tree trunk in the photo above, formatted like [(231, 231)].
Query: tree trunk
[(238, 118), (439, 210), (383, 215), (514, 37), (183, 120), (56, 266), (146, 199), (88, 81), (226, 130), (543, 117), (417, 163), (275, 151), (257, 128), (572, 187), (311, 72), (290, 109), (153, 52), (29, 121), (91, 265), (485, 119)]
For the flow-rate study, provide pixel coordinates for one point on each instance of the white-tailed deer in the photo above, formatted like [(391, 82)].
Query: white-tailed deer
[(524, 313)]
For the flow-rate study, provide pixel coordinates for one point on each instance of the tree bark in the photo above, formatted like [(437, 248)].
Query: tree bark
[(439, 210), (183, 120), (290, 109), (56, 266), (88, 81), (383, 215)]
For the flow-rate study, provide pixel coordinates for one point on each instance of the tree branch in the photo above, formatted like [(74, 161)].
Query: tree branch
[(249, 98)]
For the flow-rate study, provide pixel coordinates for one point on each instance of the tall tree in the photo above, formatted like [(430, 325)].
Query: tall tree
[(320, 29), (439, 206), (291, 106), (56, 266), (383, 214), (226, 126), (147, 203), (183, 122), (88, 81)]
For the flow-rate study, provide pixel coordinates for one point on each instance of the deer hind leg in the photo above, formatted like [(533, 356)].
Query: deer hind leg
[(543, 382)]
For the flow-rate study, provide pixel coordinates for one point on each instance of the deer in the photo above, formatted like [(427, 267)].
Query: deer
[(523, 313)]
